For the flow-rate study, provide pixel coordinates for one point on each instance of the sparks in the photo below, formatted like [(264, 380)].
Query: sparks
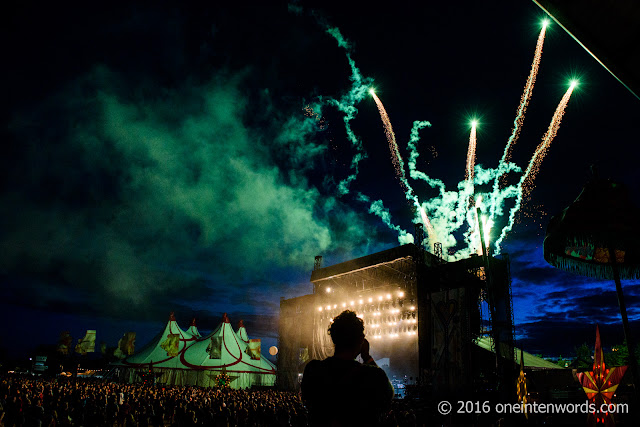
[(398, 164), (471, 153), (519, 120), (396, 158), (526, 183), (445, 214)]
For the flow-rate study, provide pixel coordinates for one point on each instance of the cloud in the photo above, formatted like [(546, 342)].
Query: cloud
[(556, 311), (124, 199), (561, 336)]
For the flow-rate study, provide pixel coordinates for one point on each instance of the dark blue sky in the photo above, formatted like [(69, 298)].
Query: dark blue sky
[(159, 158)]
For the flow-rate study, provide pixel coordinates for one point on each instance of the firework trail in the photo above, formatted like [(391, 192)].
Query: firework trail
[(526, 96), (396, 158), (517, 123), (471, 154), (414, 138), (473, 234), (398, 164), (413, 158), (346, 104), (377, 208), (471, 162), (449, 211), (526, 181)]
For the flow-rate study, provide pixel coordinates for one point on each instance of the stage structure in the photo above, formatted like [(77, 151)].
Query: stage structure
[(421, 315)]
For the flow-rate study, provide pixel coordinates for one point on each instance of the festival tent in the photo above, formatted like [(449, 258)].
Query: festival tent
[(177, 357), (193, 329), (242, 332), (530, 361), (161, 353), (221, 358)]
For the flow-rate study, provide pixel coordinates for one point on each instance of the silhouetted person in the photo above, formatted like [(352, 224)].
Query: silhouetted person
[(339, 391)]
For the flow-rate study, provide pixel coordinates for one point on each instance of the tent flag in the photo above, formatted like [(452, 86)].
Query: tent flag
[(64, 343), (171, 345), (126, 345), (254, 348), (87, 344), (215, 347)]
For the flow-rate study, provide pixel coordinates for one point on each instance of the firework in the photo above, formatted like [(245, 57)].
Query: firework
[(398, 164), (541, 150), (519, 120), (471, 153), (445, 214), (346, 105), (526, 96), (526, 181), (396, 158)]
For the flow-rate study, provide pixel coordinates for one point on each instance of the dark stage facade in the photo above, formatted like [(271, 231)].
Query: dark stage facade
[(421, 316)]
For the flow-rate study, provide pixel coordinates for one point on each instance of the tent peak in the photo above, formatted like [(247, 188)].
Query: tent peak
[(193, 322), (172, 317), (225, 318), (240, 324)]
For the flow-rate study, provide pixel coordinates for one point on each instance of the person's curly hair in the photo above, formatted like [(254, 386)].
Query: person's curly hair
[(346, 329)]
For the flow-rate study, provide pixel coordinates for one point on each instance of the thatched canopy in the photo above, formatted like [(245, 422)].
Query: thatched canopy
[(601, 218)]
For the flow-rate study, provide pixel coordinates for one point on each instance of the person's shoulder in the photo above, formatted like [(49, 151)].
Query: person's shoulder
[(374, 373), (373, 369), (313, 365), (314, 362)]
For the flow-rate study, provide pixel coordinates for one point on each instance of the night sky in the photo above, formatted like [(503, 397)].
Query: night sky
[(188, 157)]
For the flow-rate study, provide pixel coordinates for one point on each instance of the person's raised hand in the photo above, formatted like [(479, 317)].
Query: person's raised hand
[(364, 351)]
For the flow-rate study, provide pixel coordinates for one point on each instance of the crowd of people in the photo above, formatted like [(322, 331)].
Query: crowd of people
[(26, 401), (36, 402)]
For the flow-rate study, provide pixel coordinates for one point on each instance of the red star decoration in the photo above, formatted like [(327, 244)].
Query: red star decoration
[(600, 385)]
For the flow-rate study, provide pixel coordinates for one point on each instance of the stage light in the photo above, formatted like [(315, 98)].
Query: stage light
[(319, 308), (380, 298), (328, 289), (370, 299), (344, 304), (388, 296), (401, 294)]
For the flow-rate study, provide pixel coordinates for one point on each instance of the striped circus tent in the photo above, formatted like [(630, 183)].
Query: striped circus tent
[(219, 359), (223, 354)]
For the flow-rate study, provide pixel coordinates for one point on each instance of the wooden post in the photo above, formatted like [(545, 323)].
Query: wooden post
[(633, 363)]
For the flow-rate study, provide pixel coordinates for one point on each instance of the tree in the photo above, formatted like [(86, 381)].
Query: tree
[(584, 357)]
